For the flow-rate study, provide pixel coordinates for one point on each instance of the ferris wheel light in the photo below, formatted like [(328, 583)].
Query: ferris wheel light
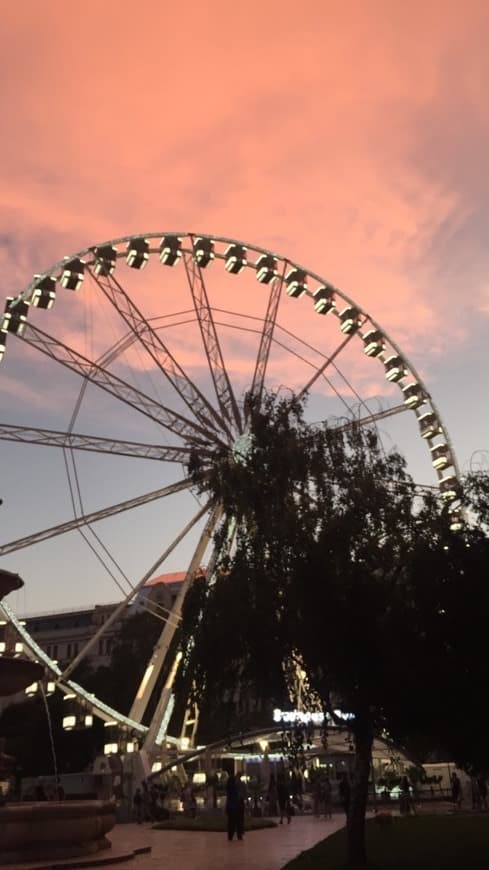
[(170, 250), (137, 253), (70, 712), (105, 260), (73, 274), (395, 369), (111, 747), (449, 488), (32, 690), (323, 300), (15, 317), (440, 456), (456, 520), (296, 283), (429, 425), (44, 292), (203, 252), (266, 269), (87, 721), (50, 688), (413, 395), (373, 343), (235, 258), (3, 343), (350, 320)]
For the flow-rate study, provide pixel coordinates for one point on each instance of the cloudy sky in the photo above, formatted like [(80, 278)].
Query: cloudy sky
[(349, 136)]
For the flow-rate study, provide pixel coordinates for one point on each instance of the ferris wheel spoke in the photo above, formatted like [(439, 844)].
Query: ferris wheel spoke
[(118, 611), (222, 385), (322, 368), (76, 441), (115, 386), (153, 344), (267, 334), (95, 516), (373, 418)]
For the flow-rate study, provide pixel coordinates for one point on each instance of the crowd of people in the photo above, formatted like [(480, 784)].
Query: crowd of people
[(476, 793), (284, 797)]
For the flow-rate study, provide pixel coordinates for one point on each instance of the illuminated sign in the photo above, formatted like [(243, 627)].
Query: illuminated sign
[(304, 717)]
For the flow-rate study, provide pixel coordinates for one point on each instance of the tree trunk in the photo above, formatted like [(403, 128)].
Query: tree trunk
[(355, 826)]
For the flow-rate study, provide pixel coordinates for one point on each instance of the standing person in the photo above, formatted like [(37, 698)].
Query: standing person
[(316, 794), (326, 796), (345, 792), (483, 791), (242, 803), (296, 789), (232, 806), (405, 801), (475, 793), (272, 796), (283, 796), (138, 805), (187, 799), (456, 787)]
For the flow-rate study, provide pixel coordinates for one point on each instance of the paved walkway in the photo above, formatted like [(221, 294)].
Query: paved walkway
[(268, 849)]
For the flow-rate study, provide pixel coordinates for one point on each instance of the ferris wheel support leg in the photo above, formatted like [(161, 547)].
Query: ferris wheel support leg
[(160, 651)]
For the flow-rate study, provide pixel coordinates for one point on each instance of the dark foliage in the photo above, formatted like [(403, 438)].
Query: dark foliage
[(339, 560)]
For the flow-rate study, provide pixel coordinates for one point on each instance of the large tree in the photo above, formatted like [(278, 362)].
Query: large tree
[(340, 562)]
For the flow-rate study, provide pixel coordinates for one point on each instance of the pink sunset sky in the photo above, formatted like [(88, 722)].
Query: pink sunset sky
[(352, 137)]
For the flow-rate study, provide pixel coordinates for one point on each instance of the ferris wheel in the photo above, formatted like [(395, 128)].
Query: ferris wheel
[(148, 354)]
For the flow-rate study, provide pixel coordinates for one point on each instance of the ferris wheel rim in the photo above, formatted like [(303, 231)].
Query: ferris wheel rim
[(26, 295)]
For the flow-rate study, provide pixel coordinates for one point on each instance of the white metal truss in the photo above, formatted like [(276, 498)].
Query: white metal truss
[(153, 344), (93, 517), (77, 441), (222, 385), (101, 377)]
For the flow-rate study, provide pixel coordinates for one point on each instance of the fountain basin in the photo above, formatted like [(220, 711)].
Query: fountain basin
[(54, 829)]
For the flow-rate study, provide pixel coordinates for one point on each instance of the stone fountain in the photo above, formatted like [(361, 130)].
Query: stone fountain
[(46, 829)]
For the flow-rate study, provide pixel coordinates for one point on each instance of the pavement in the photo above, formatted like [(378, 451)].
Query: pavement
[(268, 849)]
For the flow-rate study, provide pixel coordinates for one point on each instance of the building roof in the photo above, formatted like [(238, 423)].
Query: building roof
[(172, 577)]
